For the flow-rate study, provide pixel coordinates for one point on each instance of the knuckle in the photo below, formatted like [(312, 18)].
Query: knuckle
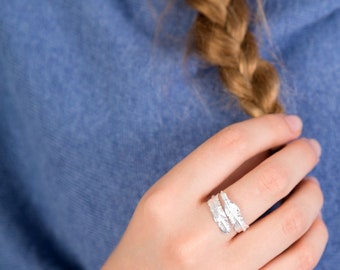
[(180, 251), (322, 197), (277, 125), (323, 230), (294, 223), (306, 259), (307, 151), (308, 256), (277, 122), (273, 181), (150, 207), (233, 138), (317, 192)]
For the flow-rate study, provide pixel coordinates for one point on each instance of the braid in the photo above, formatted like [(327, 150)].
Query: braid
[(221, 37)]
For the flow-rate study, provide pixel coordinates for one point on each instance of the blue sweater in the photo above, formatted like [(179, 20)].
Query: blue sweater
[(94, 108)]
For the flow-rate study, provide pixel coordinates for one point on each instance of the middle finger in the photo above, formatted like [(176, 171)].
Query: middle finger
[(273, 179)]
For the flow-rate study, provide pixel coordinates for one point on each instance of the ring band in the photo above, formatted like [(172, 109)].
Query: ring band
[(219, 215), (227, 216), (233, 213)]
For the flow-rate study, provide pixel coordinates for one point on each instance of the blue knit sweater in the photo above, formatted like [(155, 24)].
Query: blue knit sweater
[(94, 108)]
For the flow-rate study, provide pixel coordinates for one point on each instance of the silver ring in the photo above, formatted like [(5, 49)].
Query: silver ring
[(218, 214), (233, 213)]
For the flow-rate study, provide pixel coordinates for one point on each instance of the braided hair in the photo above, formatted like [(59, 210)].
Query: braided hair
[(221, 37)]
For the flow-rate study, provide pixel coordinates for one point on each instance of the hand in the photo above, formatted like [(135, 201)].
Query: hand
[(173, 228)]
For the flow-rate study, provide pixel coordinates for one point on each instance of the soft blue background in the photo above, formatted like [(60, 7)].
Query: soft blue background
[(94, 108)]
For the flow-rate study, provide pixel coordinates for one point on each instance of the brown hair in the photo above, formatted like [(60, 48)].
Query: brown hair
[(221, 37)]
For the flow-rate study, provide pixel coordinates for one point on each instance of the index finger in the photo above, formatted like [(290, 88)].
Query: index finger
[(213, 161)]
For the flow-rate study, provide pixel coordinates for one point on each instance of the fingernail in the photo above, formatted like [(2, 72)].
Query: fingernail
[(294, 122), (316, 146)]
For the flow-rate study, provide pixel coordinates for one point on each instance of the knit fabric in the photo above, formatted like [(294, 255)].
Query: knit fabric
[(97, 102)]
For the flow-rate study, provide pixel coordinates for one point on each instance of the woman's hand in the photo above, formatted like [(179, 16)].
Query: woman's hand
[(173, 228)]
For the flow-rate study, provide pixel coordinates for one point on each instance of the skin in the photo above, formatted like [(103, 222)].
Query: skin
[(172, 227)]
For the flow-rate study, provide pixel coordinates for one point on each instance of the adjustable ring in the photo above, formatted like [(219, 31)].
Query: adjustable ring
[(226, 217), (218, 214), (233, 213)]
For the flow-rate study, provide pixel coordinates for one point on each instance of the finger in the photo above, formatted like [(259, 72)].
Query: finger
[(211, 163), (274, 178), (245, 168), (270, 236), (305, 253)]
